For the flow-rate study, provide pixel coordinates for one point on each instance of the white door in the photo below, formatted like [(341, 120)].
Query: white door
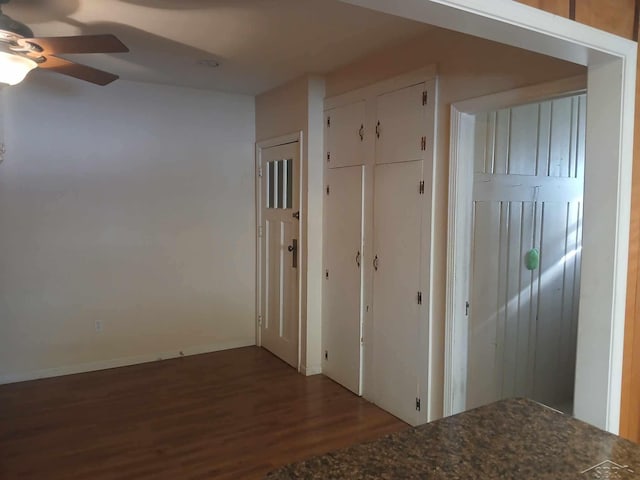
[(397, 314), (280, 259), (344, 135), (401, 129), (343, 254), (526, 249), (403, 139)]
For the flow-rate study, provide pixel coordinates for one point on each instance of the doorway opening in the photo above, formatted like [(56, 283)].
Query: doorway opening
[(526, 252), (521, 162)]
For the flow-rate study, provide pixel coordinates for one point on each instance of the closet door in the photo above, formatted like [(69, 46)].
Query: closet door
[(341, 332), (401, 128), (401, 222), (344, 135), (397, 307)]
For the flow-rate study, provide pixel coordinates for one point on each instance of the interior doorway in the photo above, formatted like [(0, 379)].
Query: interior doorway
[(278, 235), (519, 162), (525, 252)]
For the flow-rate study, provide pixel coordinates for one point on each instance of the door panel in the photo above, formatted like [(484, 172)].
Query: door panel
[(341, 330), (279, 292), (396, 282), (558, 308), (482, 380), (345, 135), (402, 124)]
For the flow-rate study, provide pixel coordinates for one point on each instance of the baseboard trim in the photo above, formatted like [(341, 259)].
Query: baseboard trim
[(124, 362), (310, 370)]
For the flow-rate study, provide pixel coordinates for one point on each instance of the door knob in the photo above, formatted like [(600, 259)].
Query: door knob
[(294, 249)]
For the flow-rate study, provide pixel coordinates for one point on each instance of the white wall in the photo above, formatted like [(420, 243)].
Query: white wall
[(132, 205), (298, 107), (468, 67)]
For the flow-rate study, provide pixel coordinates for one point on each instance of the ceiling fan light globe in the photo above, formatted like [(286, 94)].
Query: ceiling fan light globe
[(14, 68)]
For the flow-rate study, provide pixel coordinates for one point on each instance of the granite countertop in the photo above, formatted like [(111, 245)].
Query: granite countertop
[(511, 439)]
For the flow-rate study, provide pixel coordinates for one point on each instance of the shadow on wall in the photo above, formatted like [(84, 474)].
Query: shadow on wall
[(178, 4), (42, 11)]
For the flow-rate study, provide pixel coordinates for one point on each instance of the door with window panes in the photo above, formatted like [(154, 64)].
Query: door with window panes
[(280, 251)]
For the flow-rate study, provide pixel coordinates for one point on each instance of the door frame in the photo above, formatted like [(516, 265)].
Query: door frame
[(260, 146), (611, 62), (459, 235)]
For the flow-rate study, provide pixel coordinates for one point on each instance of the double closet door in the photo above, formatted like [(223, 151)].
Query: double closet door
[(379, 155)]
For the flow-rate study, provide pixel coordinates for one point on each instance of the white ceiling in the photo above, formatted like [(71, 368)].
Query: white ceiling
[(259, 43)]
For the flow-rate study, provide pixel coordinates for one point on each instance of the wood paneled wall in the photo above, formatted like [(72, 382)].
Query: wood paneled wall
[(615, 16), (558, 7), (621, 18)]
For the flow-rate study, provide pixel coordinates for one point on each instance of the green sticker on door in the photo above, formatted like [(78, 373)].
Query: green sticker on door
[(532, 259)]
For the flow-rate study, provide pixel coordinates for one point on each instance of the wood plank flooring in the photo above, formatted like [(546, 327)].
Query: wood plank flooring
[(227, 415)]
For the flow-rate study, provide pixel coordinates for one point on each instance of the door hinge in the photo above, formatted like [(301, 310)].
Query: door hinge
[(378, 129), (296, 215), (328, 121), (259, 171), (361, 132), (419, 298), (466, 309), (417, 404), (259, 320), (423, 143), (328, 156), (326, 273), (361, 340), (328, 189), (425, 97), (259, 231), (421, 187)]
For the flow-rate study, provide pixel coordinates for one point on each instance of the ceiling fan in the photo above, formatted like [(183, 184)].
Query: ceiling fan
[(21, 52)]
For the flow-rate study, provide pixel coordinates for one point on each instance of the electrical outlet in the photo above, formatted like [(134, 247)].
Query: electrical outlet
[(98, 325)]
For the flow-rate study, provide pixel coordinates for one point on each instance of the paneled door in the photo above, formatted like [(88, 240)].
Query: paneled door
[(342, 329), (526, 250), (344, 135), (377, 243), (279, 230), (397, 302), (402, 125)]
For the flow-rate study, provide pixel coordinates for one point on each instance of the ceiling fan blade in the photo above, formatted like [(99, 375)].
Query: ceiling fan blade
[(77, 70), (79, 44)]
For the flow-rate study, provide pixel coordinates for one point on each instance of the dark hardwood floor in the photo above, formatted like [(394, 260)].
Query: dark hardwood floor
[(228, 415)]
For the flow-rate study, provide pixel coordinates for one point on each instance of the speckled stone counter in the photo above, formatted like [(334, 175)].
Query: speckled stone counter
[(512, 439)]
